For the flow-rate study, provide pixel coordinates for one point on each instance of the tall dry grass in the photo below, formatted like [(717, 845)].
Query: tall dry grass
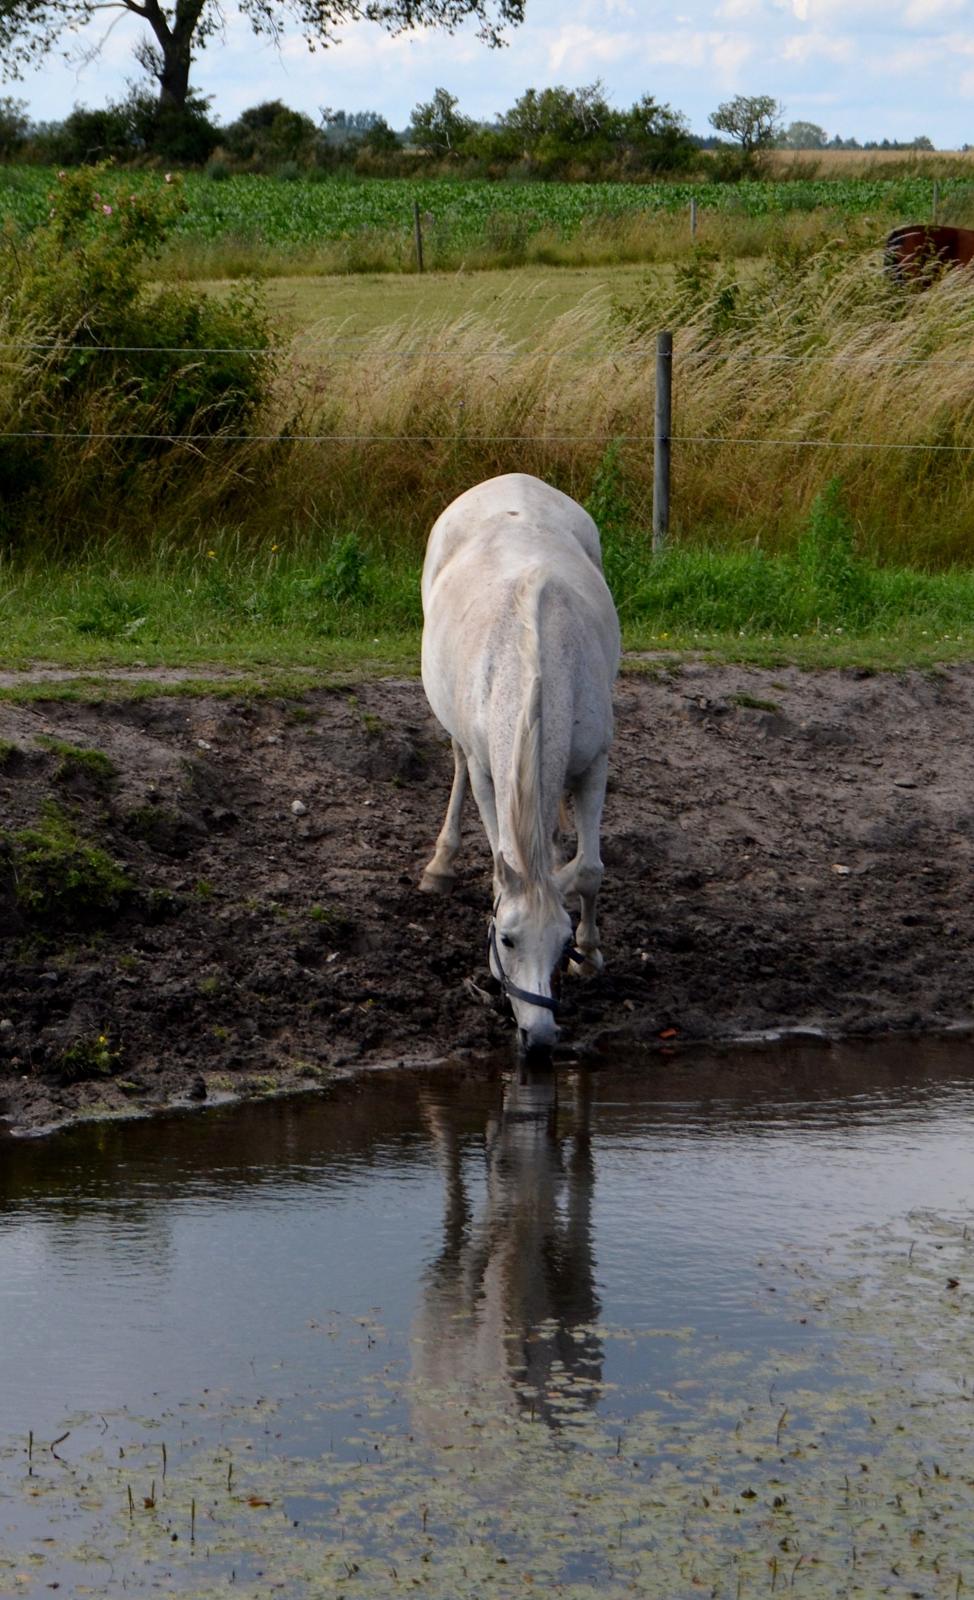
[(814, 369), (421, 411), (809, 369), (869, 163)]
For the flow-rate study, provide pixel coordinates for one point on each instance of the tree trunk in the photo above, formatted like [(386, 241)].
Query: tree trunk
[(175, 50), (174, 77)]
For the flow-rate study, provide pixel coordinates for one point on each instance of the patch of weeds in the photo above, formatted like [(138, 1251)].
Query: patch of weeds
[(88, 1058), (61, 881), (108, 612), (204, 889), (220, 1034), (210, 985), (300, 714), (128, 963), (753, 702), (372, 724), (78, 761)]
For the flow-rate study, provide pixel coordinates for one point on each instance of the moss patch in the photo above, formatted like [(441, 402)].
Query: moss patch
[(62, 881), (75, 762)]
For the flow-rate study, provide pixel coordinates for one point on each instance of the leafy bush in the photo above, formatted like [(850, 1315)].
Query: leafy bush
[(101, 356), (130, 129)]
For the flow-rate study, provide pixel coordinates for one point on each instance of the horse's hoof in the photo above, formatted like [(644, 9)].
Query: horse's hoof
[(591, 964), (436, 883)]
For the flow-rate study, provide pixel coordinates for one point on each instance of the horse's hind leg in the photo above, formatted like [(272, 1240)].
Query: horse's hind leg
[(583, 875), (438, 875)]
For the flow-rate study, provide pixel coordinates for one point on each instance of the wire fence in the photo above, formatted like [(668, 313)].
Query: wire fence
[(737, 357), (652, 439)]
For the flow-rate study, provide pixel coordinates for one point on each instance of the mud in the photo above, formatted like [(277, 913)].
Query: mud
[(783, 850)]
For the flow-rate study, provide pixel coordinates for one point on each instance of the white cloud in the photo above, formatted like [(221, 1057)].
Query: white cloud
[(575, 49), (804, 47), (919, 13)]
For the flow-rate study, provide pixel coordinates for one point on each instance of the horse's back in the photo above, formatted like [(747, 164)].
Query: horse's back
[(507, 548), (515, 518)]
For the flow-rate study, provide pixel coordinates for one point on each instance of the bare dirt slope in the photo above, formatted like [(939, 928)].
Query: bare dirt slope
[(782, 849)]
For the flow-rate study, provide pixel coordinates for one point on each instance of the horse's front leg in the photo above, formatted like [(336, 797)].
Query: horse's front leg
[(583, 875), (438, 875)]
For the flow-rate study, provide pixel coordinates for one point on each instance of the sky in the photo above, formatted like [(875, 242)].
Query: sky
[(870, 69)]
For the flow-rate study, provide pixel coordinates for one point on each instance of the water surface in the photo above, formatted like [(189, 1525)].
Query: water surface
[(707, 1318)]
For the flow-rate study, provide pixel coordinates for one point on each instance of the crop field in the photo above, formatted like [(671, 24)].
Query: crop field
[(304, 212)]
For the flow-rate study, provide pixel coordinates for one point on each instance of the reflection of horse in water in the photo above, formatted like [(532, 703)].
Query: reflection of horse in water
[(915, 252), (509, 1302)]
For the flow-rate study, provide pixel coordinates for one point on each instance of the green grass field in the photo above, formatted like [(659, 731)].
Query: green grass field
[(520, 305)]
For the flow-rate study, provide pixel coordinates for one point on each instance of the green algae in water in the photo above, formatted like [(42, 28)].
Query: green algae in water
[(842, 1466)]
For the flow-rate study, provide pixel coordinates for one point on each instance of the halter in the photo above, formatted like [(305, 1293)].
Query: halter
[(511, 990)]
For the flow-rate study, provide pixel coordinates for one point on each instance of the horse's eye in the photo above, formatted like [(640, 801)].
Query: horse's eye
[(507, 941)]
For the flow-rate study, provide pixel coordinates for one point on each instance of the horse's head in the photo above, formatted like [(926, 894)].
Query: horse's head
[(530, 938)]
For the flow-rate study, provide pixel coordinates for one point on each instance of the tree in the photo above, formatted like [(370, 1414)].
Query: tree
[(438, 127), (30, 29), (271, 133), (14, 126), (754, 120), (804, 136)]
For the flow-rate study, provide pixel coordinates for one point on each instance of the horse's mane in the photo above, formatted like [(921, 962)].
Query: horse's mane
[(527, 814)]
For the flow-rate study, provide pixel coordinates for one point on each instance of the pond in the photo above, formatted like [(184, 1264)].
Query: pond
[(668, 1326)]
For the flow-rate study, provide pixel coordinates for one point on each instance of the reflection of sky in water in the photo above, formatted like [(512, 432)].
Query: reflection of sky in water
[(233, 1252)]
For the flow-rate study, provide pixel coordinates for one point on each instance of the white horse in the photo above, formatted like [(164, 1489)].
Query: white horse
[(520, 650)]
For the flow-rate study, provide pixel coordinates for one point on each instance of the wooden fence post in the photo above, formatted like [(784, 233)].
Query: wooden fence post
[(662, 415), (418, 230), (693, 219)]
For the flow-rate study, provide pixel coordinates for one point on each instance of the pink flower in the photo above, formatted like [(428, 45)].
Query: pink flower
[(97, 195), (62, 176), (107, 210)]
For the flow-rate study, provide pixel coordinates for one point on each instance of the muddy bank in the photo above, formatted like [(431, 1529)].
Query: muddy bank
[(227, 901)]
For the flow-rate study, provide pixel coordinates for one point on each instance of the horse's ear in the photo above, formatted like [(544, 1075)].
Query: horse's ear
[(507, 879)]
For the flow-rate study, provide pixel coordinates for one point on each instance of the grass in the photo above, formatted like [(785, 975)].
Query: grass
[(346, 308), (343, 608), (80, 762), (286, 557)]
